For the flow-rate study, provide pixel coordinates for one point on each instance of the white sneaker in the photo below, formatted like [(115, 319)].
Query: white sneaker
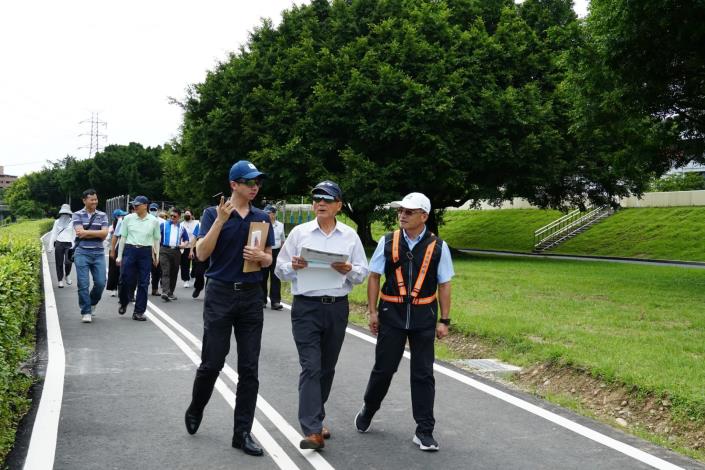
[(61, 284), (68, 281), (87, 318), (186, 285)]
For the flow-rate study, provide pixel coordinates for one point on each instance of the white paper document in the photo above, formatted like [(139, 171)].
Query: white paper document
[(319, 274)]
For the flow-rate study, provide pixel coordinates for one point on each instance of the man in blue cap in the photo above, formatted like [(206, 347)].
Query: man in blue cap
[(139, 250), (233, 302), (319, 316)]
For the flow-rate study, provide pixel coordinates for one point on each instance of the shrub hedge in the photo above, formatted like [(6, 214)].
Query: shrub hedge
[(20, 298)]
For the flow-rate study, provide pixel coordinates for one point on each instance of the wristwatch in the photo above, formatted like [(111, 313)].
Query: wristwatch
[(445, 321)]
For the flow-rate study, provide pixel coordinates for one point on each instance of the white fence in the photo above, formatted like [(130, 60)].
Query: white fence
[(664, 199)]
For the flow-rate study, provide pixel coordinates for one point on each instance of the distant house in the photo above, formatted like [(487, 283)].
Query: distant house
[(6, 180), (691, 167)]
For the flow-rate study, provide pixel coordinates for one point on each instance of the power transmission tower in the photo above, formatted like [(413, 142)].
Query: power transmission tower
[(96, 138)]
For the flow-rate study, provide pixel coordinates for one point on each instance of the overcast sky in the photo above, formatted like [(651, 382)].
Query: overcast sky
[(64, 60)]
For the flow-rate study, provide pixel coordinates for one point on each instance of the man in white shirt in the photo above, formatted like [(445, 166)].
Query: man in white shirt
[(319, 317), (275, 295)]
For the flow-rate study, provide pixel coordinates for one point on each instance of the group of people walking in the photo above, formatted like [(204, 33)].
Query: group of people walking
[(413, 303)]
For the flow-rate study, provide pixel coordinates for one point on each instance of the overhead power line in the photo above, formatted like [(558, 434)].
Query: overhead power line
[(96, 138)]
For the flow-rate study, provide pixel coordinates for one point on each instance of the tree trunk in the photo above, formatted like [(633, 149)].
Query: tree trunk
[(364, 229), (432, 222)]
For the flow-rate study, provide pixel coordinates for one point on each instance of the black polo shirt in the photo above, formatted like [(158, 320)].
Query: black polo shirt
[(226, 261)]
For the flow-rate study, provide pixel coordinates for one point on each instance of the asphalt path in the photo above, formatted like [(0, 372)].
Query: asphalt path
[(607, 259), (126, 385)]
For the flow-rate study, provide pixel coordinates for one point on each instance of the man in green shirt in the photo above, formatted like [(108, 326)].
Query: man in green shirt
[(139, 250)]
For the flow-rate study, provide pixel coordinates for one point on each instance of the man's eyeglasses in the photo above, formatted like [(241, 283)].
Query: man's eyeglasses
[(323, 198), (174, 216), (250, 183), (408, 212)]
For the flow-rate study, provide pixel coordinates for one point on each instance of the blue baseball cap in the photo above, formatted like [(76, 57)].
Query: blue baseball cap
[(244, 170), (270, 209), (139, 200), (119, 213), (330, 188), (154, 206)]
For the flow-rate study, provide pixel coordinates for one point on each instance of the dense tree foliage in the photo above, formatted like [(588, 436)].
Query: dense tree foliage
[(679, 182), (118, 169), (460, 99), (655, 50)]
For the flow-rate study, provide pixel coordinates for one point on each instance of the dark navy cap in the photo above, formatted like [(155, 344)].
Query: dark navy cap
[(139, 200), (154, 206), (244, 170), (330, 188), (270, 209)]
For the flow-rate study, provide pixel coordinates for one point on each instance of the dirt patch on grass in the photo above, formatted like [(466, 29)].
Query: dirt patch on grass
[(647, 416)]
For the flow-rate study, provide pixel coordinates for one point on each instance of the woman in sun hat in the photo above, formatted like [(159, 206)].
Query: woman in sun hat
[(62, 237)]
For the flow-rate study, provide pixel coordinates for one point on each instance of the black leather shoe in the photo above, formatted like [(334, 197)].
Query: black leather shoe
[(195, 293), (122, 309), (139, 317), (363, 419), (277, 306), (193, 421), (248, 445)]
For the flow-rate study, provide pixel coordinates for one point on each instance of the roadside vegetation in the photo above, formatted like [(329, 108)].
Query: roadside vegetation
[(20, 298)]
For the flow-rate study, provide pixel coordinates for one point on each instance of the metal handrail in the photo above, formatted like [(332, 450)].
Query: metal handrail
[(564, 224)]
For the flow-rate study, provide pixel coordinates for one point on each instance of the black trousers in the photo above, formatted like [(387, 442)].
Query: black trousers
[(388, 353), (169, 260), (61, 252), (186, 265), (199, 271), (224, 311), (113, 274), (275, 293), (319, 331), (156, 276)]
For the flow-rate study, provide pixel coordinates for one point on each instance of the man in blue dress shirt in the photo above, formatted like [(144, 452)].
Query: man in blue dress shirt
[(233, 302)]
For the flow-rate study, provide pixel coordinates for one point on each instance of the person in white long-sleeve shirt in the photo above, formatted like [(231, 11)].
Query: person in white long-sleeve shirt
[(319, 316), (60, 241)]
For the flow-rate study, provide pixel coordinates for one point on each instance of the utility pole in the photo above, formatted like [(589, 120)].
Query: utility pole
[(96, 138)]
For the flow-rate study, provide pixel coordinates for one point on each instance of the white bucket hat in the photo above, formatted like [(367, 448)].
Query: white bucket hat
[(65, 209)]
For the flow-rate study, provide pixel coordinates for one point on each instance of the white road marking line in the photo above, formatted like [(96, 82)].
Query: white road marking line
[(314, 458), (267, 441), (42, 445), (584, 431)]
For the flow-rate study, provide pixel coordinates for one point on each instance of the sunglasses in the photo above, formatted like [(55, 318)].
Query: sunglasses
[(323, 198), (250, 183), (408, 212)]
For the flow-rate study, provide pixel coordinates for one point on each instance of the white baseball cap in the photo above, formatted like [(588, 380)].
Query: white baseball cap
[(413, 201)]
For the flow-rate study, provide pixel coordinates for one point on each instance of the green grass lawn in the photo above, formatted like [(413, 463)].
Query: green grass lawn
[(506, 229), (638, 325), (661, 233)]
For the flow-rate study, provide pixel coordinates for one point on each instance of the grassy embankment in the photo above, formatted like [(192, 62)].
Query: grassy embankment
[(20, 298), (674, 233)]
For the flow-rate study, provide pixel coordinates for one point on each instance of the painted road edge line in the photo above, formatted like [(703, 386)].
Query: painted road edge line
[(313, 457), (274, 450), (584, 431), (42, 444)]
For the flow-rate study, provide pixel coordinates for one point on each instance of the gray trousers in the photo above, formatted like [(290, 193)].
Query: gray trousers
[(319, 331), (170, 260)]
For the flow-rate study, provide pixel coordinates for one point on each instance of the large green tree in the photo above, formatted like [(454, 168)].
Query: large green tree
[(459, 99)]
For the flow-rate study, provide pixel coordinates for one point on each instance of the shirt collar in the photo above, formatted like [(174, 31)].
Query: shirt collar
[(315, 226), (423, 232)]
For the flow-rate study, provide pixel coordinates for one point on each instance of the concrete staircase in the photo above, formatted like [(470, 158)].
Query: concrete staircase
[(567, 227)]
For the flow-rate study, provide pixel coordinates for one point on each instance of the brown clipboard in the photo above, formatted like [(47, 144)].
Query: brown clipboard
[(263, 228)]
